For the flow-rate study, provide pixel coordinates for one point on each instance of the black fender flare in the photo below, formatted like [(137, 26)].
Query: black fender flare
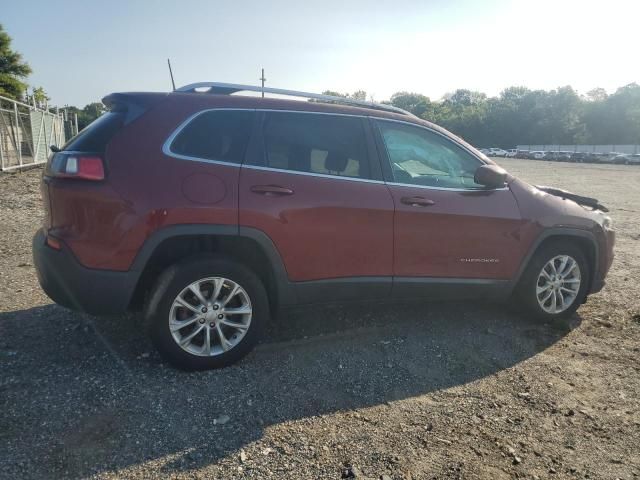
[(285, 291), (560, 232)]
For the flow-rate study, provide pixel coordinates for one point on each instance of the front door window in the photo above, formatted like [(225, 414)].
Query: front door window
[(421, 157)]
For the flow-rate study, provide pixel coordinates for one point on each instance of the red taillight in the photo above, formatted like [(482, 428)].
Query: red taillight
[(90, 168), (79, 166)]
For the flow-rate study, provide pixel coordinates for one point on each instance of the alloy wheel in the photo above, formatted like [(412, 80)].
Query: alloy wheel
[(210, 316), (558, 284)]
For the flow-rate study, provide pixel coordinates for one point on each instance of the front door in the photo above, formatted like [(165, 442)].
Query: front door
[(446, 226), (315, 191)]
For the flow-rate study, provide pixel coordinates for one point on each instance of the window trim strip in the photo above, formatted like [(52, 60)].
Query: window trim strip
[(428, 187), (167, 150), (464, 147), (166, 146), (311, 174)]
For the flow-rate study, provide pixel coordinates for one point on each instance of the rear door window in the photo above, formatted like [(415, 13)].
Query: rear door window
[(321, 144), (220, 135)]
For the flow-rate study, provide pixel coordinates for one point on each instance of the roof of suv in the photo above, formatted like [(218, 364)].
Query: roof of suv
[(212, 100), (270, 103), (194, 100)]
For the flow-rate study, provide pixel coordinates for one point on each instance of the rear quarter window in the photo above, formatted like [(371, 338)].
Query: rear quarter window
[(96, 136), (214, 135)]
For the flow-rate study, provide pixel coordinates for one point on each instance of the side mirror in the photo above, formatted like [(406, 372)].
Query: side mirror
[(491, 176)]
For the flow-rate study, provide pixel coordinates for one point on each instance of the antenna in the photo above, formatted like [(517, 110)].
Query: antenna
[(171, 74), (262, 79)]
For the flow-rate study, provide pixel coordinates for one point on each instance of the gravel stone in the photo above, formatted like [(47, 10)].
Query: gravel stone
[(86, 397)]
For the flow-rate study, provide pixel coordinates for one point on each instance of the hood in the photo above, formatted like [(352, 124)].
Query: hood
[(590, 202)]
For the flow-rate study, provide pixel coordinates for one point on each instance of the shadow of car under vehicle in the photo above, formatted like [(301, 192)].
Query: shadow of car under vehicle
[(86, 395)]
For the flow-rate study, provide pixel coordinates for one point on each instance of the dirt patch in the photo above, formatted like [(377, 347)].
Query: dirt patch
[(456, 390)]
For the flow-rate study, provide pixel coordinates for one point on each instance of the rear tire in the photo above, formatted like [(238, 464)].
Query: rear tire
[(206, 312), (556, 281)]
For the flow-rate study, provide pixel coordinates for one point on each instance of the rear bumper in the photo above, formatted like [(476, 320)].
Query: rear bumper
[(66, 282)]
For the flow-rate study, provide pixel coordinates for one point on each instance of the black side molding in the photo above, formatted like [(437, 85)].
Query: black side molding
[(286, 294), (563, 232), (430, 288), (397, 288)]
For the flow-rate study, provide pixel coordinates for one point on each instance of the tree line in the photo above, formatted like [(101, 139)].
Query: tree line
[(517, 115), (521, 116)]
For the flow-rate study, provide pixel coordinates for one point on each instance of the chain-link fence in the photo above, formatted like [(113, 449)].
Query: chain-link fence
[(26, 132)]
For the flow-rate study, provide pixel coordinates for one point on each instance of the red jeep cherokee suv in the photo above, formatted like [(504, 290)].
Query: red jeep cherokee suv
[(210, 210)]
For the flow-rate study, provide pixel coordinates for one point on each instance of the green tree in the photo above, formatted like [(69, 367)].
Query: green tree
[(335, 94), (415, 103), (520, 116), (12, 69), (616, 119), (464, 112), (357, 95), (597, 94), (465, 97), (40, 97), (89, 113)]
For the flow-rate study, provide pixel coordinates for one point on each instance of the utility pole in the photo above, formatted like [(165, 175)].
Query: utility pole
[(262, 79), (171, 73)]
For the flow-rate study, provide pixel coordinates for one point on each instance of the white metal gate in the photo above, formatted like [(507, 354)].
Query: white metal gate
[(26, 132)]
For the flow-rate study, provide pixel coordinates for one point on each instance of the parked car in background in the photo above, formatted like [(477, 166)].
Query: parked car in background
[(626, 159), (512, 153), (497, 152), (597, 157), (537, 155), (558, 156), (602, 157), (591, 157), (210, 211), (578, 157)]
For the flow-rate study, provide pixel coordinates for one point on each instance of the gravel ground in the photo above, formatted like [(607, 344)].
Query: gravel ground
[(448, 390)]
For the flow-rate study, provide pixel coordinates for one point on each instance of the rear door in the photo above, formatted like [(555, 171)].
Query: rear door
[(314, 186), (446, 226)]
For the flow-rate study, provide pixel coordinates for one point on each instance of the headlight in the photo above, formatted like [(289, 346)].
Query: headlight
[(607, 223)]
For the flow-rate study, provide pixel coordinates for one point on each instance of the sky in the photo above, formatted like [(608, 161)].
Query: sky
[(82, 50)]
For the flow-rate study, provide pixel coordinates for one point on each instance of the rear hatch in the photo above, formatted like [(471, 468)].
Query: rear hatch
[(82, 161)]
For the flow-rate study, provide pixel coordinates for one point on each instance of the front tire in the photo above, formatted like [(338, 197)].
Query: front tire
[(206, 313), (555, 282)]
